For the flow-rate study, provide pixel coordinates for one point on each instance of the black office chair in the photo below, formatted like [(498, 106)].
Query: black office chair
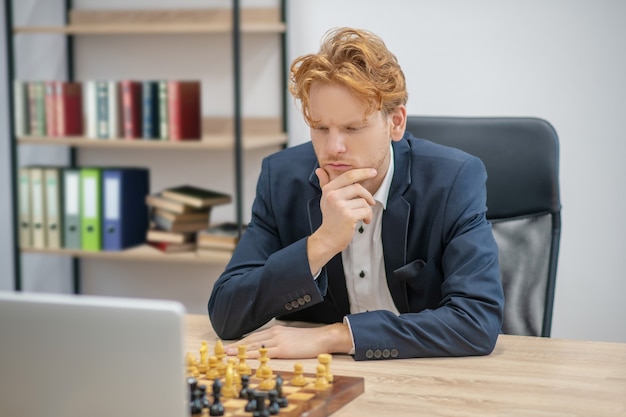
[(522, 160)]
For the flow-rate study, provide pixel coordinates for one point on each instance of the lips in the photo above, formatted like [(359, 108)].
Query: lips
[(338, 167)]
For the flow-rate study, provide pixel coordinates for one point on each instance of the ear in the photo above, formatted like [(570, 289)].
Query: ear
[(397, 119)]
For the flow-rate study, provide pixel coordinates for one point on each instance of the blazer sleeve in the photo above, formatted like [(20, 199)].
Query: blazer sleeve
[(468, 318), (265, 278)]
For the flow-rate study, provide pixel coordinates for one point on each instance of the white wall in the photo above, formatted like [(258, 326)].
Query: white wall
[(561, 60)]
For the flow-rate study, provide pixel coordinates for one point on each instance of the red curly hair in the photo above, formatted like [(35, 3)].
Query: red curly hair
[(356, 59)]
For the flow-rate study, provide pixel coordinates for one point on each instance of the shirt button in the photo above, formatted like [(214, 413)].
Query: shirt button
[(362, 274), (361, 229)]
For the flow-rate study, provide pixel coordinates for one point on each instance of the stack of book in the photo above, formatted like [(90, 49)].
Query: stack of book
[(178, 214), (220, 237)]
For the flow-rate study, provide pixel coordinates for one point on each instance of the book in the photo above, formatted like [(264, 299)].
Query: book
[(102, 109), (50, 108), (115, 109), (158, 201), (131, 109), (54, 213), (37, 108), (168, 247), (71, 209), (21, 107), (69, 104), (156, 235), (90, 108), (38, 207), (184, 110), (125, 217), (223, 236), (150, 109), (25, 216), (196, 196), (177, 226), (164, 125), (91, 209), (202, 215)]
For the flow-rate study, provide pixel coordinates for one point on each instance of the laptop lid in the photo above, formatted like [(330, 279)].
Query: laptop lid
[(71, 356)]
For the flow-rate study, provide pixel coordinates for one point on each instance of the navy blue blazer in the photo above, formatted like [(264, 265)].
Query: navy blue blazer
[(441, 259)]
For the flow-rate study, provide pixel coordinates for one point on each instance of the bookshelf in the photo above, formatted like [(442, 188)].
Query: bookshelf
[(234, 133)]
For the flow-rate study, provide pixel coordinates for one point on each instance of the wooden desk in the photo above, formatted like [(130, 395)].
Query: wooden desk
[(524, 376)]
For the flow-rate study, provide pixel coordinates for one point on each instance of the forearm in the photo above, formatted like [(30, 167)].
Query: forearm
[(254, 288)]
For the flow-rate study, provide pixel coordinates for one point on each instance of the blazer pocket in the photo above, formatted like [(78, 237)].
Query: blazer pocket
[(418, 274)]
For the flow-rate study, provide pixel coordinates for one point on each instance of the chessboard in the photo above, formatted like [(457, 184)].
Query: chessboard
[(221, 386)]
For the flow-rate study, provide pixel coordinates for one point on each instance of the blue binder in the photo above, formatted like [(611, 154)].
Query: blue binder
[(125, 219)]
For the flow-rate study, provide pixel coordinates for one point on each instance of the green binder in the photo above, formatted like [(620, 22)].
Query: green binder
[(91, 208)]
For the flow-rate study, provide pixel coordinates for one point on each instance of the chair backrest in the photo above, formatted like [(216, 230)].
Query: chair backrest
[(522, 160)]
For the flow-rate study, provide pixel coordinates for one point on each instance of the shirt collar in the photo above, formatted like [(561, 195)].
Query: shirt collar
[(382, 194)]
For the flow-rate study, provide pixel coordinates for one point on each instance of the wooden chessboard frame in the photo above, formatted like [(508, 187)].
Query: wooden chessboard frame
[(309, 401)]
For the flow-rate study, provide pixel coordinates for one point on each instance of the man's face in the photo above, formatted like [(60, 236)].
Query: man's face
[(344, 138)]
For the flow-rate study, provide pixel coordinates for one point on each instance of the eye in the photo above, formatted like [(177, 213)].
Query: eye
[(354, 128)]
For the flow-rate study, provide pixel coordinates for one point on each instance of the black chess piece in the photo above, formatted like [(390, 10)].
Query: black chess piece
[(261, 410), (245, 382), (205, 401), (273, 408), (217, 408), (251, 405), (281, 399), (195, 406), (192, 383)]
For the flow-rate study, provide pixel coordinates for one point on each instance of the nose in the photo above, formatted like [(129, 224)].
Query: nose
[(335, 143)]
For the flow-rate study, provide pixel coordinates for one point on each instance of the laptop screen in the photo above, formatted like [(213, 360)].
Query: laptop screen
[(71, 356)]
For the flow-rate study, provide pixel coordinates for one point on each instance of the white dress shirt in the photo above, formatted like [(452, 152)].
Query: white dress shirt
[(363, 261)]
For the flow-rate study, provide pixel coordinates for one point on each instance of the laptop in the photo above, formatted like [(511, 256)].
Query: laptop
[(75, 355)]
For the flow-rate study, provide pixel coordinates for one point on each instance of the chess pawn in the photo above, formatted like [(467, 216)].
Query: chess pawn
[(324, 359), (204, 358), (251, 405), (243, 368), (212, 372), (267, 382), (245, 386), (217, 408), (320, 378), (298, 379), (192, 369)]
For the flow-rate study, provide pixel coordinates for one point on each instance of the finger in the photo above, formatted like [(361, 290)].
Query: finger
[(353, 176), (322, 176)]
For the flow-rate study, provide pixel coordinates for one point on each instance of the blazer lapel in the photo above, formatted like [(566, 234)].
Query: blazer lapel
[(395, 224)]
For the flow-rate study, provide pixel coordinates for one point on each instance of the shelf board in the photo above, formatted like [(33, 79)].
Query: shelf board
[(175, 21), (210, 142), (140, 253)]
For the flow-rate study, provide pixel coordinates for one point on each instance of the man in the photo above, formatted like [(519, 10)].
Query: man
[(377, 235)]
